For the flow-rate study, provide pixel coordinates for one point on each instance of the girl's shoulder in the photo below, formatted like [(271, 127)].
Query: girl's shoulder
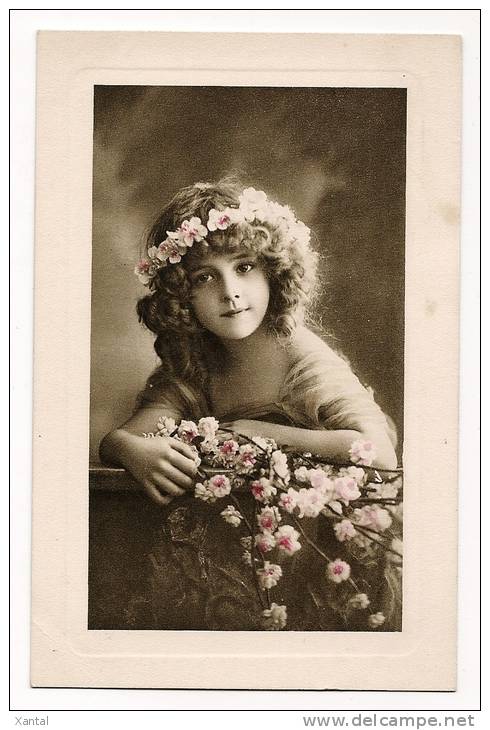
[(307, 347)]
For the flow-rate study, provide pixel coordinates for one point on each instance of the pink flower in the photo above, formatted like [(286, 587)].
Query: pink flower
[(360, 601), (319, 479), (354, 472), (279, 465), (231, 515), (310, 502), (219, 485), (187, 431), (344, 530), (229, 447), (275, 617), (373, 516), (219, 219), (262, 489), (346, 489), (376, 619), (246, 457), (264, 542), (268, 518), (287, 539), (192, 231), (362, 452), (145, 271), (269, 575), (207, 427), (338, 571), (288, 500), (171, 251)]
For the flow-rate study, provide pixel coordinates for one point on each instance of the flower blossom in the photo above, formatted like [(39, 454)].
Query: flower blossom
[(264, 542), (227, 451), (170, 250), (346, 489), (187, 431), (166, 426), (301, 474), (268, 519), (145, 271), (267, 445), (219, 485), (246, 458), (288, 500), (219, 219), (202, 492), (360, 601), (319, 480), (311, 502), (192, 231), (373, 516), (275, 617), (269, 575), (253, 204), (344, 530), (338, 570), (286, 539), (279, 465), (354, 472), (207, 427), (262, 489), (376, 619), (362, 452), (231, 515)]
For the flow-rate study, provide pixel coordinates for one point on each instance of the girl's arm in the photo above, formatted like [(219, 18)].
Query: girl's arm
[(163, 466), (330, 444)]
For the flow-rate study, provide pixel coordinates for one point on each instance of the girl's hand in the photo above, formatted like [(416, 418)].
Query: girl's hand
[(163, 466)]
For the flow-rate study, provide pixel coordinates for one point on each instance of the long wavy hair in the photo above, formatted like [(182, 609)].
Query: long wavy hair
[(187, 351)]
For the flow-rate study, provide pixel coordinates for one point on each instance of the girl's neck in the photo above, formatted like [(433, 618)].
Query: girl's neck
[(256, 346)]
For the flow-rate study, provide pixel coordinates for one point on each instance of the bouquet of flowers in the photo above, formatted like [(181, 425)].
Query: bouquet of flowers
[(359, 503)]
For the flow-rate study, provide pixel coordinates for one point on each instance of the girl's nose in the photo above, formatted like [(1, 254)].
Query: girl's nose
[(231, 289)]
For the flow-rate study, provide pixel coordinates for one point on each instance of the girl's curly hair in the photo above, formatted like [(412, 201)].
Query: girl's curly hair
[(188, 351)]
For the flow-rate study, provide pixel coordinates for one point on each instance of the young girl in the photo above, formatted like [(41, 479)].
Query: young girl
[(230, 274)]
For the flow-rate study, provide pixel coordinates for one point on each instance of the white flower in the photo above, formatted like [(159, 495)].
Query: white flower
[(191, 231), (354, 472), (264, 542), (310, 502), (279, 465), (268, 519), (362, 452), (336, 507), (360, 600), (253, 204), (373, 516), (346, 489), (269, 575), (263, 490), (219, 485), (376, 619), (301, 474), (231, 515), (338, 570), (344, 530), (286, 539), (187, 431), (267, 445), (201, 492), (275, 617), (166, 426), (207, 427), (288, 500)]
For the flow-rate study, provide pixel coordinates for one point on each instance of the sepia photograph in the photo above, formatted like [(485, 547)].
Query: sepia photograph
[(247, 358), (245, 418)]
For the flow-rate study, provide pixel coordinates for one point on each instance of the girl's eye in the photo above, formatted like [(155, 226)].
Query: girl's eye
[(245, 267), (202, 278)]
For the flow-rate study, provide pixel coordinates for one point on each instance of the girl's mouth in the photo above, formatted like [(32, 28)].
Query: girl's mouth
[(234, 312)]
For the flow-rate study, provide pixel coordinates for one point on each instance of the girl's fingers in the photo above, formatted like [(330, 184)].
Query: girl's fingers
[(155, 495), (183, 464), (177, 477), (182, 448), (167, 486)]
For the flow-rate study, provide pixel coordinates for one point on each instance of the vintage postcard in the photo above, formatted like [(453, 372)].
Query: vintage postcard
[(245, 426)]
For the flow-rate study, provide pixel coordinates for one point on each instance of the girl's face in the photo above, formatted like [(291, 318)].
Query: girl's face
[(230, 294)]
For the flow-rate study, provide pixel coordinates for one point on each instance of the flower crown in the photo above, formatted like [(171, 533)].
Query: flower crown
[(254, 207)]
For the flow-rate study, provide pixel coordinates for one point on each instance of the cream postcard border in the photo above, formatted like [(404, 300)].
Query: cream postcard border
[(63, 651)]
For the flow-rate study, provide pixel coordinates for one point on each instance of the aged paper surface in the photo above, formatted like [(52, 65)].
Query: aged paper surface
[(64, 652)]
